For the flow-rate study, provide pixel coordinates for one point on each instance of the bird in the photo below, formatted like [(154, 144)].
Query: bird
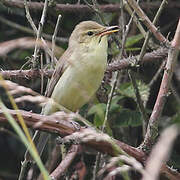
[(79, 71)]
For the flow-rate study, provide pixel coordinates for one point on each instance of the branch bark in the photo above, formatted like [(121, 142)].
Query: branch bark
[(81, 8), (152, 129), (61, 123)]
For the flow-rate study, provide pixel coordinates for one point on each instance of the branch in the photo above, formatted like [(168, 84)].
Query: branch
[(65, 163), (154, 56), (27, 74), (62, 124), (27, 43), (80, 8), (152, 130), (118, 65)]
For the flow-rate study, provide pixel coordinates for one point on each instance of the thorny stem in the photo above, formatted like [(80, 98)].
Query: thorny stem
[(143, 50), (152, 129)]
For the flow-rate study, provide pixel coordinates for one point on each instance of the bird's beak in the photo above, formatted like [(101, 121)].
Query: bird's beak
[(108, 30)]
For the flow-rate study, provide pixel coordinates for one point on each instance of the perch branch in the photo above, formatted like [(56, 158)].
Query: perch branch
[(61, 123)]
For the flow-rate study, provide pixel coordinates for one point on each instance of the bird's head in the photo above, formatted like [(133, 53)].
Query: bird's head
[(90, 33)]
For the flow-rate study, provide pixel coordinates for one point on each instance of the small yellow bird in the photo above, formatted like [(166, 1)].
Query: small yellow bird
[(80, 70)]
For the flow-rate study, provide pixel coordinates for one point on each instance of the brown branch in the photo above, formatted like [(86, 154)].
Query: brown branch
[(27, 74), (61, 123), (52, 123), (125, 63), (154, 56), (26, 43), (68, 8), (65, 163), (152, 129), (76, 8)]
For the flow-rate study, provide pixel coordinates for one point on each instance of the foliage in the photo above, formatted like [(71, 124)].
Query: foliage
[(125, 118)]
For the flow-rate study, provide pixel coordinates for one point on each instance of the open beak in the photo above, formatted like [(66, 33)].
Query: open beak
[(108, 30)]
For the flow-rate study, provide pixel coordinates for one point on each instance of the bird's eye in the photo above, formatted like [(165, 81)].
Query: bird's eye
[(90, 33)]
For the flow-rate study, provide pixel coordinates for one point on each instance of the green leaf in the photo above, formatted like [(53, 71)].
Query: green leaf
[(112, 1), (132, 40), (114, 104), (133, 49), (127, 90), (127, 117), (98, 121), (176, 118), (99, 111)]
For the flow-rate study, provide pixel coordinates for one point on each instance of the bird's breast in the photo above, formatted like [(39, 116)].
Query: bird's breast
[(80, 80)]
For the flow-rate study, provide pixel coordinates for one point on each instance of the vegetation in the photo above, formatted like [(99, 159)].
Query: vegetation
[(130, 129)]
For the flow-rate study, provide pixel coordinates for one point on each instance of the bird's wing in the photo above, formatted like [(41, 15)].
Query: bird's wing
[(61, 66)]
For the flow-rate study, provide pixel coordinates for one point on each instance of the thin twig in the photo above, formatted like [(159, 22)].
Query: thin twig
[(147, 22), (54, 39), (42, 75), (39, 31), (139, 102), (28, 16), (116, 75), (143, 49), (154, 56), (135, 18), (65, 163), (38, 35), (124, 36), (138, 96), (155, 77), (27, 74)]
